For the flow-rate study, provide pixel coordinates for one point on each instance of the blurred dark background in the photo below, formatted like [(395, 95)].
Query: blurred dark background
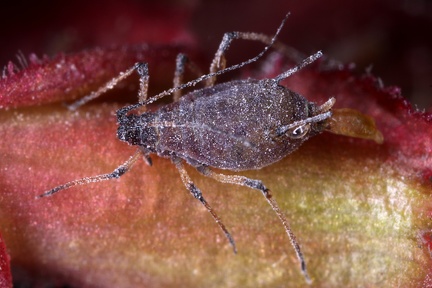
[(390, 37)]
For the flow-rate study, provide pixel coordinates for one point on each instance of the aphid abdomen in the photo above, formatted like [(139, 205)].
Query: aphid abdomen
[(232, 125)]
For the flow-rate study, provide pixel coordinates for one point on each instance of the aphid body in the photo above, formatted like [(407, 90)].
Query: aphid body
[(233, 125), (236, 125)]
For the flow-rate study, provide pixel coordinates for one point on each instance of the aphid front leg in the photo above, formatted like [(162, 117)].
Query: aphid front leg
[(257, 184), (198, 195), (117, 173)]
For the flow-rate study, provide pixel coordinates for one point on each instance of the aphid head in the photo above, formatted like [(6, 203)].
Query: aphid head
[(135, 130), (128, 130)]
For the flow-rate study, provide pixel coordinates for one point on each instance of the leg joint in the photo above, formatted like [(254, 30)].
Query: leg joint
[(181, 62), (195, 191), (118, 172), (228, 36), (256, 184), (142, 69)]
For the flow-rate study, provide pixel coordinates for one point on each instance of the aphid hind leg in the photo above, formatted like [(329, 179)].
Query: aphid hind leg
[(257, 184), (117, 173), (196, 193)]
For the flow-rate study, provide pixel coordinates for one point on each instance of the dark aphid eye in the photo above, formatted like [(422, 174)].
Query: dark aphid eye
[(299, 131)]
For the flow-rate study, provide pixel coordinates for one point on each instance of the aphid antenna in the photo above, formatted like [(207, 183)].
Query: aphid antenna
[(122, 112)]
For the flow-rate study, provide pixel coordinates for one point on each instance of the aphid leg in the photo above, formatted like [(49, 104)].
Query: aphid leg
[(109, 85), (122, 112), (290, 52), (257, 184), (219, 61), (119, 171), (178, 74), (147, 159), (181, 62), (198, 195), (142, 70)]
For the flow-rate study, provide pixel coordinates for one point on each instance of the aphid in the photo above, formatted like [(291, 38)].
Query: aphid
[(236, 125)]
